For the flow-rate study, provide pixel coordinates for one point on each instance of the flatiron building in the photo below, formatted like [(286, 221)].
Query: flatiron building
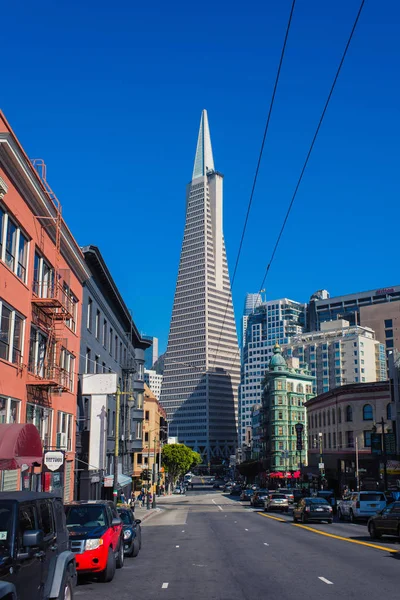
[(202, 362)]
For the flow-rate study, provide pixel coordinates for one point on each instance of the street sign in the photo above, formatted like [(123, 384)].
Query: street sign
[(54, 460), (321, 466)]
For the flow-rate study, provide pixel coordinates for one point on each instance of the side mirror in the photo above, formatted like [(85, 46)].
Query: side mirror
[(138, 521), (116, 522), (32, 539)]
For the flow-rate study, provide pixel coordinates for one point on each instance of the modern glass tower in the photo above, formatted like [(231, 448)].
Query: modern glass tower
[(202, 362)]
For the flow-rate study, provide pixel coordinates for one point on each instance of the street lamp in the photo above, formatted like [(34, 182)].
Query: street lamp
[(321, 460)]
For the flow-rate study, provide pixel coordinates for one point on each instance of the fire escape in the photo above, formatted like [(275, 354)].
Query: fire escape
[(52, 307)]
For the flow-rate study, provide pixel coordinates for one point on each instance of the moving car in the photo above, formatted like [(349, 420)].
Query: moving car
[(35, 560), (361, 505), (386, 522), (246, 494), (288, 493), (312, 509), (96, 537), (132, 532), (236, 490), (258, 498), (277, 502)]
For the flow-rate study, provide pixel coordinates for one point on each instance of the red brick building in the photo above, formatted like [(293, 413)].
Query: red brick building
[(42, 271)]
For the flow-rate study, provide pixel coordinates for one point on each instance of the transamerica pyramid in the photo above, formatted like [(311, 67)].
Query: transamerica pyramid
[(202, 362)]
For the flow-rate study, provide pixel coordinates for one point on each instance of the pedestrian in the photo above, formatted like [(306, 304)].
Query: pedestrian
[(122, 498), (142, 498), (150, 497), (132, 500)]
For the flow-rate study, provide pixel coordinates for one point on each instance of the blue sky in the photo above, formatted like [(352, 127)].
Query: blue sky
[(110, 96)]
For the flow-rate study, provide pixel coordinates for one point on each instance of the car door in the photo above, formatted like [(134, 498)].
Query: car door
[(46, 521), (392, 518), (300, 508), (27, 562), (116, 530)]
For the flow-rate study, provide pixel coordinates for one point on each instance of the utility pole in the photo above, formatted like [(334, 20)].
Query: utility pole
[(385, 479), (148, 476), (116, 448), (154, 473), (357, 471)]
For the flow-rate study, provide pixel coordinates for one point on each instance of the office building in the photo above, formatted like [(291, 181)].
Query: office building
[(287, 388), (110, 343), (154, 381), (151, 353), (201, 371), (250, 304), (272, 321), (339, 354)]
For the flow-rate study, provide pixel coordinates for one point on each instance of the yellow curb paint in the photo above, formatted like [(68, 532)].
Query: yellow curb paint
[(344, 539), (271, 517)]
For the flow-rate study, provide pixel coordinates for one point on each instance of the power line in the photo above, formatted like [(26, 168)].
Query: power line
[(309, 151), (257, 168)]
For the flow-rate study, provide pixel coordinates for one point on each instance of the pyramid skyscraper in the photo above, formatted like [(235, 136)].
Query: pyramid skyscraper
[(202, 362)]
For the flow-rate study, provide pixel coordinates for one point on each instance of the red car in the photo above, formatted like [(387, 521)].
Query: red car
[(96, 537)]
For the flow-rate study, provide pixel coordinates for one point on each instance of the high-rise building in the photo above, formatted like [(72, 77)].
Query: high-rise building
[(201, 372), (287, 388), (154, 381), (272, 321), (250, 304), (340, 354), (151, 354)]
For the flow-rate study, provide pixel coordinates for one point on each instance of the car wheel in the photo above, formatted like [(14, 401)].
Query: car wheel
[(294, 519), (351, 517), (330, 521), (136, 547), (108, 574), (303, 518), (340, 515), (67, 589), (120, 555), (372, 532)]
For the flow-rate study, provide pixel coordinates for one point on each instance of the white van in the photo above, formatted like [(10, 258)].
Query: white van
[(361, 505)]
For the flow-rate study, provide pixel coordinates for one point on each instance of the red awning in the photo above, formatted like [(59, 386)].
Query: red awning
[(20, 444)]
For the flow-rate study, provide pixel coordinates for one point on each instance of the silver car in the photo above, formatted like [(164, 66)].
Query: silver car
[(277, 502)]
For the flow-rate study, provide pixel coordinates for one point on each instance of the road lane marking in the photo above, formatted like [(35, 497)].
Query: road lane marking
[(164, 586), (246, 529), (326, 580), (274, 518), (265, 544), (176, 546), (344, 539), (183, 531), (235, 521)]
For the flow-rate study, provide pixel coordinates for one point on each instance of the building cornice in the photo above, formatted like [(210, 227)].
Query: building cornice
[(27, 181)]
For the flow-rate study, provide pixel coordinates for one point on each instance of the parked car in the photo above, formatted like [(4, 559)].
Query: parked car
[(236, 490), (246, 494), (361, 505), (227, 487), (277, 502), (132, 532), (386, 522), (35, 560), (216, 485), (288, 493), (96, 536), (312, 509), (258, 498)]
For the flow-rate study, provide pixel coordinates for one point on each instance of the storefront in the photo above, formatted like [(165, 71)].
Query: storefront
[(20, 453)]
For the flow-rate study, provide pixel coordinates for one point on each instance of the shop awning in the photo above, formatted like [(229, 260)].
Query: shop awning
[(123, 480), (20, 444)]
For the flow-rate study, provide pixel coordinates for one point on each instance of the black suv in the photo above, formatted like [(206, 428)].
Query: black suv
[(35, 560)]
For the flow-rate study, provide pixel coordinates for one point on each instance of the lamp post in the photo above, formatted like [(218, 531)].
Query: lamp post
[(383, 448), (116, 449), (154, 505), (321, 459)]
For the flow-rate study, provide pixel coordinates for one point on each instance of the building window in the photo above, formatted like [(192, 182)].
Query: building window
[(339, 414), (319, 419), (329, 440), (11, 334), (147, 415), (72, 302), (139, 459), (389, 415), (389, 343), (334, 439), (41, 417), (110, 341), (103, 369), (389, 333), (333, 416), (104, 339), (97, 325), (280, 400), (88, 361), (13, 246), (37, 352), (368, 413), (146, 436), (9, 410), (116, 348), (340, 441), (388, 322), (97, 364), (64, 431), (280, 415), (138, 430), (328, 414), (324, 440), (67, 366), (299, 389), (350, 439), (349, 414), (280, 430), (324, 418), (367, 439), (279, 385), (89, 314)]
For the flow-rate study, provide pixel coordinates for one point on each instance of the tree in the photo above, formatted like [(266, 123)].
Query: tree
[(177, 460), (197, 460)]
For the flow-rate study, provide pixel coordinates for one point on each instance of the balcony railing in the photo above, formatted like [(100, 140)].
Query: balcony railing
[(49, 376), (52, 297)]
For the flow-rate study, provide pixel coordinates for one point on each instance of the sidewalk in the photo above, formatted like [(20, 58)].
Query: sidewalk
[(143, 514)]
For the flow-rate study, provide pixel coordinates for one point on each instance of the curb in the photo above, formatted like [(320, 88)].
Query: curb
[(152, 513)]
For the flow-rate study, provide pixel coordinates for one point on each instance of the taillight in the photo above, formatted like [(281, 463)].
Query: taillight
[(307, 509), (330, 508), (358, 504)]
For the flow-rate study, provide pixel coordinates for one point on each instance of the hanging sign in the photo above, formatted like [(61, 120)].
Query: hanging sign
[(53, 460)]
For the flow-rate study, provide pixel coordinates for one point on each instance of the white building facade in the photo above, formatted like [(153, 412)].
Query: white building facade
[(250, 304), (340, 354), (154, 381), (271, 322)]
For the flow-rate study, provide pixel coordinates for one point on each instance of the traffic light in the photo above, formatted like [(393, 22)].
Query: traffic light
[(145, 474)]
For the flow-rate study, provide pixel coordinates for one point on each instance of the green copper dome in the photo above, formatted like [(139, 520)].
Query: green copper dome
[(277, 360)]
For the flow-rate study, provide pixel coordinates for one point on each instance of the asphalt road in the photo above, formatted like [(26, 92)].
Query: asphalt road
[(207, 546)]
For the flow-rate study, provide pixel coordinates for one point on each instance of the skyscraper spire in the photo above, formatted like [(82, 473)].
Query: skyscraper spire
[(203, 161)]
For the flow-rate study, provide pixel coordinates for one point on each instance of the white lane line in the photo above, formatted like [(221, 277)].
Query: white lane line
[(164, 586), (265, 544), (176, 546), (246, 529), (326, 580), (235, 521), (220, 507), (183, 531)]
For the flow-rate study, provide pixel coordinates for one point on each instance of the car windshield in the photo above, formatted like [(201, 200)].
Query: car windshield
[(373, 497), (126, 517), (317, 501), (85, 517), (278, 496), (5, 527)]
